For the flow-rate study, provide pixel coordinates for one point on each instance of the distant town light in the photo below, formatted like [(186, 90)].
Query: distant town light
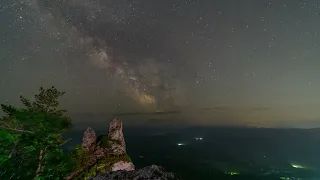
[(180, 144), (232, 173), (297, 166)]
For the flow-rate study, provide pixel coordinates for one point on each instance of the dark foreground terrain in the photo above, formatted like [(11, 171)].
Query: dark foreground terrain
[(225, 152)]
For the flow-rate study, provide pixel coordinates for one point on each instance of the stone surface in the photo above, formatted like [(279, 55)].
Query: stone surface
[(89, 140), (147, 173), (121, 165), (117, 143), (100, 152), (105, 153)]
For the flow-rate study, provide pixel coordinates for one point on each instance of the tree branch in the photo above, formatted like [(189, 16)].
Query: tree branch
[(79, 170), (40, 164), (13, 150), (5, 123), (16, 130), (65, 142), (91, 162)]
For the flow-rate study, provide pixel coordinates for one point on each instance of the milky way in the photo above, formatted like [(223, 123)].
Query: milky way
[(213, 61), (86, 31)]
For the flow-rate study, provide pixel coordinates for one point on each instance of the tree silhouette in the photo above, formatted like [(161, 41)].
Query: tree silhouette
[(31, 137)]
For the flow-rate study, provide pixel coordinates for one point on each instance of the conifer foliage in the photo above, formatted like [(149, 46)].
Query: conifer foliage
[(31, 138)]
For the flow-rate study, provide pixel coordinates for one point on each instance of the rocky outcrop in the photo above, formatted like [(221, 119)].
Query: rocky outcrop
[(89, 140), (103, 153), (117, 146), (117, 143), (105, 158), (147, 173)]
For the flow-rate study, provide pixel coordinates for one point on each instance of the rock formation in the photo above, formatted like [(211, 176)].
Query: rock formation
[(105, 158), (147, 173), (117, 143), (89, 140), (117, 146), (103, 153)]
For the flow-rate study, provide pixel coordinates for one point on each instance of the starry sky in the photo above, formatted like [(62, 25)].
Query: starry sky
[(225, 62)]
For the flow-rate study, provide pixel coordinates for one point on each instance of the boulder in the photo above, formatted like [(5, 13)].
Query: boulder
[(122, 165)]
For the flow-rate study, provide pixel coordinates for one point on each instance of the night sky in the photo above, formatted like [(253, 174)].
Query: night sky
[(232, 62)]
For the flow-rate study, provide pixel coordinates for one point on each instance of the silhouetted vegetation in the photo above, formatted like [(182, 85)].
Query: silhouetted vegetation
[(31, 137), (31, 140)]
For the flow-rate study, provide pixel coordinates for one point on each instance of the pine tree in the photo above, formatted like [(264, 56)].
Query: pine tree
[(30, 138)]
